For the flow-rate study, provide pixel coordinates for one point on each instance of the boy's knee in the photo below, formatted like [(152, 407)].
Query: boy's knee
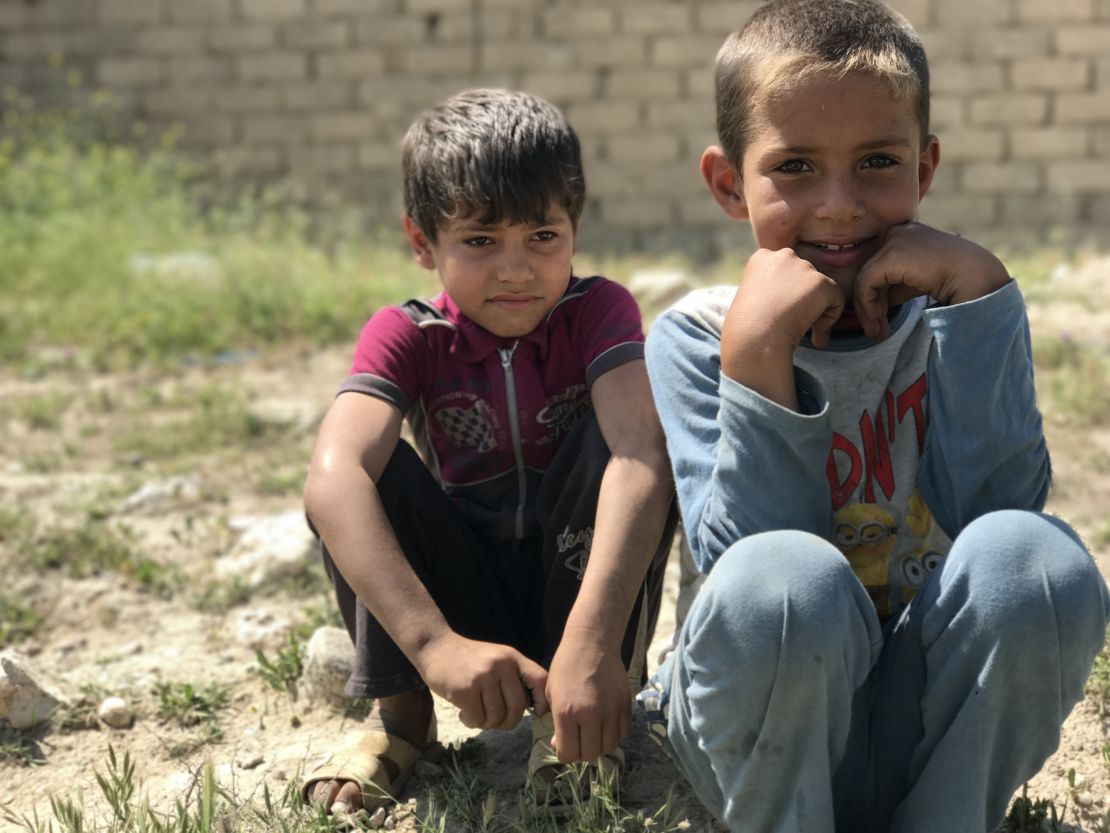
[(1033, 574), (766, 579)]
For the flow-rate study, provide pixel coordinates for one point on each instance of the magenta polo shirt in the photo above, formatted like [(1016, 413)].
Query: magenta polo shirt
[(488, 413)]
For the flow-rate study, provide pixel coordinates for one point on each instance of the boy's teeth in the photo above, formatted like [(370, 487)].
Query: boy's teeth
[(833, 247)]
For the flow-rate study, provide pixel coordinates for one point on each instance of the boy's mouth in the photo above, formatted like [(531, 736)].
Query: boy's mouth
[(839, 254)]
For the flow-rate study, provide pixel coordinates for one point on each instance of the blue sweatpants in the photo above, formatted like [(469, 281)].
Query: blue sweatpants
[(792, 709)]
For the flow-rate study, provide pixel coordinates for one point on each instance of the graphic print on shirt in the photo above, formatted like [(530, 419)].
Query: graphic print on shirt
[(883, 527), (561, 412), (578, 545), (470, 427)]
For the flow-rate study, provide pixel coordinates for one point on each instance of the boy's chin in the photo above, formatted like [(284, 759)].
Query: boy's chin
[(847, 324)]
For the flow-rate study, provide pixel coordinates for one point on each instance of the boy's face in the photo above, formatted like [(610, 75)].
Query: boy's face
[(828, 170), (504, 277)]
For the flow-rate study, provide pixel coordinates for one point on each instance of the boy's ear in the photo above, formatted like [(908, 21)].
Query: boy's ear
[(927, 165), (724, 182), (419, 243)]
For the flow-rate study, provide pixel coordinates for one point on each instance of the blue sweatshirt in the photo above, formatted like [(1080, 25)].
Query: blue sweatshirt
[(896, 447)]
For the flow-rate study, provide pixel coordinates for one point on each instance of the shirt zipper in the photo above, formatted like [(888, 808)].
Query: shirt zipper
[(514, 428)]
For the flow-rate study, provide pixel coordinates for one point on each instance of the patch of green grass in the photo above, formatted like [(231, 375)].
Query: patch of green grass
[(100, 224), (96, 547), (1034, 815), (279, 483), (1073, 379), (283, 671), (20, 747), (43, 412), (17, 620), (186, 705)]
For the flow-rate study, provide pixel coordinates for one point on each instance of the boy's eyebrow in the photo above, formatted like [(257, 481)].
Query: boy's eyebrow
[(874, 144)]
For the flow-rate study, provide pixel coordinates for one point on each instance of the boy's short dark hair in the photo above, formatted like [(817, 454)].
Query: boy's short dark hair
[(491, 155), (790, 41)]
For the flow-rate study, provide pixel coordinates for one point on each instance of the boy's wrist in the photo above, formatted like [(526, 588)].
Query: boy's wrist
[(977, 273)]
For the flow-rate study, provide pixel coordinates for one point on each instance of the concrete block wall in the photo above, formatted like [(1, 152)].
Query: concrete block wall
[(322, 90)]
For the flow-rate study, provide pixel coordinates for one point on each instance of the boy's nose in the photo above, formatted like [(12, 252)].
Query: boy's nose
[(840, 200), (514, 267)]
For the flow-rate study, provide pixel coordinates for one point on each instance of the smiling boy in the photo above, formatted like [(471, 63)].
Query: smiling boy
[(860, 467), (518, 560)]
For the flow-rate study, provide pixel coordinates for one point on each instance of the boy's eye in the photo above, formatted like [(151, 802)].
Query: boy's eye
[(879, 160), (544, 236), (793, 166), (478, 241)]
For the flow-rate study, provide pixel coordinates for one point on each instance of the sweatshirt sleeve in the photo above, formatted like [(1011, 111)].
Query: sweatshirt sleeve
[(742, 463), (985, 448)]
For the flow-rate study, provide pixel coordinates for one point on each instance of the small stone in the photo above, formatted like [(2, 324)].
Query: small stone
[(376, 821), (328, 661), (115, 712), (252, 763), (1085, 799), (389, 824), (26, 698)]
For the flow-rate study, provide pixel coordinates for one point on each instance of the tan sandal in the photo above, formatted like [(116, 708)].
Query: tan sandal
[(378, 760), (554, 784)]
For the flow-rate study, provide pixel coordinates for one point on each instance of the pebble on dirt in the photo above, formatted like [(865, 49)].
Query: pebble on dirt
[(115, 712), (328, 660)]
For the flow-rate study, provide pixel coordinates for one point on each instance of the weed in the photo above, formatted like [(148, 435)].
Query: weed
[(20, 746), (282, 483), (80, 713), (282, 673), (94, 548), (44, 412), (186, 706), (1071, 381), (1034, 815), (17, 621), (1098, 682)]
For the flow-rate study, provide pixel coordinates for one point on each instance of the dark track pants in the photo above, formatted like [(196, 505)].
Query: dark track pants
[(517, 595)]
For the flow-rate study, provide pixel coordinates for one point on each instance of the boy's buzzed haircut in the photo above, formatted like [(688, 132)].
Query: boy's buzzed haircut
[(491, 155), (789, 41)]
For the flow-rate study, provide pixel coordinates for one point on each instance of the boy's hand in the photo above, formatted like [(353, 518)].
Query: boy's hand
[(587, 688), (781, 298), (916, 259), (490, 684)]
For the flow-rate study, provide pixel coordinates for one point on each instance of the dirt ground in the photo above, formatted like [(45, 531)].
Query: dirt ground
[(103, 437)]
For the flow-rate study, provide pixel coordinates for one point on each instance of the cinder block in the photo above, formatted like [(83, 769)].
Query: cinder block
[(970, 144), (192, 69), (562, 88), (944, 43), (389, 29), (1054, 142), (438, 60), (208, 130), (264, 129), (315, 160), (652, 18), (170, 39), (947, 112), (13, 15), (332, 127), (317, 33), (244, 38), (1079, 176), (525, 55), (957, 212), (335, 94), (431, 6), (272, 9), (1083, 108), (917, 12), (380, 156), (200, 11), (683, 112), (685, 51), (1011, 42), (130, 72), (1042, 11), (128, 11), (956, 13), (254, 98), (618, 51), (354, 7), (1050, 74), (177, 101), (273, 66), (643, 84), (1002, 178), (1009, 109), (639, 148), (962, 78), (1083, 40), (723, 18), (1044, 210), (599, 117), (703, 210), (354, 63), (578, 23)]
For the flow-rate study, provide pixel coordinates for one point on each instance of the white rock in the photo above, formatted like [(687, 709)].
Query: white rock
[(270, 549), (286, 412), (158, 496), (115, 712), (260, 628), (181, 267), (328, 660), (376, 821), (26, 698)]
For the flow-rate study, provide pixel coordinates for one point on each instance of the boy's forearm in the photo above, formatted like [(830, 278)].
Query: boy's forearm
[(345, 508), (634, 500)]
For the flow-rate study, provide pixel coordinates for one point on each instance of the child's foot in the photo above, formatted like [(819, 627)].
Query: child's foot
[(372, 765), (555, 785)]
